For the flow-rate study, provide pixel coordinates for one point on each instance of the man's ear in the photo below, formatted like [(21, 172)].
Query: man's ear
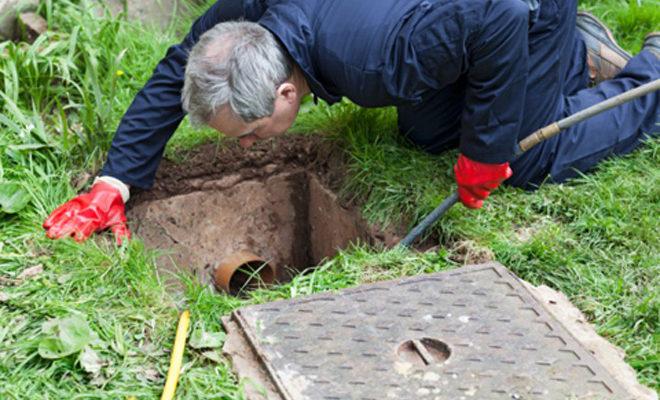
[(288, 91)]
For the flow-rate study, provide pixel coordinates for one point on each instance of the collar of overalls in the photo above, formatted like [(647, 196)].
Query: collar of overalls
[(289, 24)]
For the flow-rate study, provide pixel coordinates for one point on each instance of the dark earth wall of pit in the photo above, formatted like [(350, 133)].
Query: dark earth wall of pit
[(289, 219)]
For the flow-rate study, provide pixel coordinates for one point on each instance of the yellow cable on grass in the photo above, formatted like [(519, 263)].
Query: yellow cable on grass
[(177, 356)]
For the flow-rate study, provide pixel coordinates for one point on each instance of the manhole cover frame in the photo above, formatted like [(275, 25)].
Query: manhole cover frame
[(251, 328)]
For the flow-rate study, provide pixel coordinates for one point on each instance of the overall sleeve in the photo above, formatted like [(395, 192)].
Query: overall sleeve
[(156, 112), (496, 81)]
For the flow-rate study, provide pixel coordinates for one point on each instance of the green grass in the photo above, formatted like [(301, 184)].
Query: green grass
[(596, 238)]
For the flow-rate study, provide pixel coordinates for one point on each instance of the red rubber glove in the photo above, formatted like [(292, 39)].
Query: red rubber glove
[(101, 208), (476, 180)]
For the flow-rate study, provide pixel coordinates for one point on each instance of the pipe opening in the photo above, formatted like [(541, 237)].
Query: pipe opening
[(242, 272)]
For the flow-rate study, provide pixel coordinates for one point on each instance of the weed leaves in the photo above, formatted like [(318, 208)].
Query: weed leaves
[(91, 362), (13, 198), (64, 337), (201, 339)]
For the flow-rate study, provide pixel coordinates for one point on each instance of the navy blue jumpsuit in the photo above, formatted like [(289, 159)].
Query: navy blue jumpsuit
[(477, 74)]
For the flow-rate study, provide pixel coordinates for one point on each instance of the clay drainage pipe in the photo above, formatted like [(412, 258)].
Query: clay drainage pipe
[(242, 271)]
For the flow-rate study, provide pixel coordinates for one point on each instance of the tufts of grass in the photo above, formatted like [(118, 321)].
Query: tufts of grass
[(595, 238), (62, 97), (629, 20)]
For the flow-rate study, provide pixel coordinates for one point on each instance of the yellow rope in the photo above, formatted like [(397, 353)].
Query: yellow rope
[(177, 356)]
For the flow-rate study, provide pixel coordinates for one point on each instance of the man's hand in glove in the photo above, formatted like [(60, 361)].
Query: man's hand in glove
[(100, 209), (476, 180)]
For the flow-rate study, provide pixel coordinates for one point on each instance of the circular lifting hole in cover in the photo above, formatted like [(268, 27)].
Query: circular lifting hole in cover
[(425, 351)]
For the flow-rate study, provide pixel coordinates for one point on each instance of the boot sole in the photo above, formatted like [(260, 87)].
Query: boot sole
[(654, 47), (609, 37)]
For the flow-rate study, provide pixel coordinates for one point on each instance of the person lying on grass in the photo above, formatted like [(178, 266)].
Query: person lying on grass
[(477, 74)]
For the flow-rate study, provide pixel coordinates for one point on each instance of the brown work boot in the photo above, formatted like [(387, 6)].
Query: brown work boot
[(652, 43), (605, 57)]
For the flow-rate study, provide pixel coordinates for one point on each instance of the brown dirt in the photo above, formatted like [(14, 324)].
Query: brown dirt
[(468, 252), (275, 200), (229, 164)]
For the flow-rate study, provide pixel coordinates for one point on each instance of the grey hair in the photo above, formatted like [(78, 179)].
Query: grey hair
[(236, 63)]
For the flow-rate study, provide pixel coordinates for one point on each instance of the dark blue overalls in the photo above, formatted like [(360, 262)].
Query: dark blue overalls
[(477, 74)]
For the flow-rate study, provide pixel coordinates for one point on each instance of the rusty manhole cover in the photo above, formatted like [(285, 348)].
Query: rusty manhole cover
[(474, 332)]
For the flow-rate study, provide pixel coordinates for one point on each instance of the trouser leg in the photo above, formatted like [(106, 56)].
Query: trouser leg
[(558, 67), (576, 76), (617, 131), (557, 88), (557, 64)]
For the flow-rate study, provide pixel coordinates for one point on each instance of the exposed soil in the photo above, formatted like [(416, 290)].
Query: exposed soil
[(468, 252), (221, 166), (276, 200)]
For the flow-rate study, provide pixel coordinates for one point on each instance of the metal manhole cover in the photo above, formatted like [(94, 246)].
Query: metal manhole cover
[(474, 332)]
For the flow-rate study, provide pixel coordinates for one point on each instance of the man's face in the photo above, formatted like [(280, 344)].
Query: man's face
[(287, 104)]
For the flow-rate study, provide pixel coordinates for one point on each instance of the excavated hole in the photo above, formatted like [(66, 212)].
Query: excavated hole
[(275, 200), (289, 219)]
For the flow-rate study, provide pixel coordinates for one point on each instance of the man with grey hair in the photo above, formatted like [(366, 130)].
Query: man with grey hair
[(241, 82), (474, 74)]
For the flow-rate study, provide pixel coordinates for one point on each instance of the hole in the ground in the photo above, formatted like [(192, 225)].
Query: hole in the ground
[(275, 200), (290, 220)]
